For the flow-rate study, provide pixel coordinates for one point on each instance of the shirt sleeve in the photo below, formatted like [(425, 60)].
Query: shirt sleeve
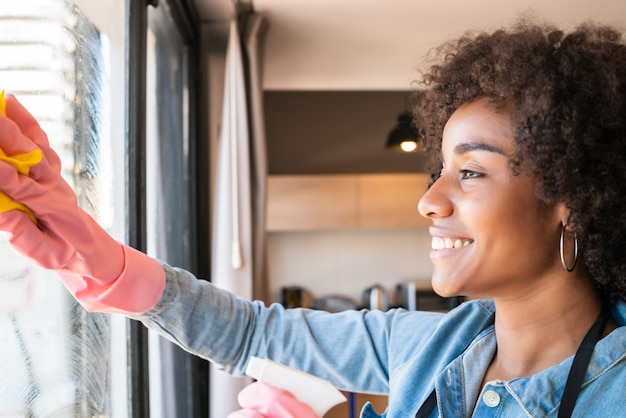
[(352, 349)]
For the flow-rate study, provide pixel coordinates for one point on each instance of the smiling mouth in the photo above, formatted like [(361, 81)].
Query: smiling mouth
[(444, 243)]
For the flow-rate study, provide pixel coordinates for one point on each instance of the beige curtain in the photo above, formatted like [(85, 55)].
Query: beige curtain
[(238, 260), (256, 27)]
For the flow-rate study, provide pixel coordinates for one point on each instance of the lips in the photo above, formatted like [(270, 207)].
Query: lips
[(446, 243)]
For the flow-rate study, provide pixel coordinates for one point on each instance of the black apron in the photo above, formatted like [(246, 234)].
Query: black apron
[(574, 378)]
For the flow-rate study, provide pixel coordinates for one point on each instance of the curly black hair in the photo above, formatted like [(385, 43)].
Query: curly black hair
[(568, 97)]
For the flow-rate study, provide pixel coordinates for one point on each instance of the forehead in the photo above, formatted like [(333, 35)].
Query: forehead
[(478, 122)]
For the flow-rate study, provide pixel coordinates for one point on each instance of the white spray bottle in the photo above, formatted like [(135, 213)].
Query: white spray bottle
[(318, 393)]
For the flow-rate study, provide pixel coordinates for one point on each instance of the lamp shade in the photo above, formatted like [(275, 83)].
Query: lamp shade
[(404, 136)]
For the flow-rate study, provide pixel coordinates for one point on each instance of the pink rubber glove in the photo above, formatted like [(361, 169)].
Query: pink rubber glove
[(101, 273), (260, 400), (22, 163)]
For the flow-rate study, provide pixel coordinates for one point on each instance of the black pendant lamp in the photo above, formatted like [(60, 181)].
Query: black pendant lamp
[(403, 137)]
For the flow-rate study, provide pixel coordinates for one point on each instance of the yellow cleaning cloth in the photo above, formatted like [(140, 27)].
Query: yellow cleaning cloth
[(22, 163)]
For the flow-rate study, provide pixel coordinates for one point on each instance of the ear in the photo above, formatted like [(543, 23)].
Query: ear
[(563, 213)]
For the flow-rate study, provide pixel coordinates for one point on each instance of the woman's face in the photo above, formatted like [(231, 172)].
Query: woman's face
[(491, 236)]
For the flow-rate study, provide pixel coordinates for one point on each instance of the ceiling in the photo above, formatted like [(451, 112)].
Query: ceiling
[(339, 68), (380, 45)]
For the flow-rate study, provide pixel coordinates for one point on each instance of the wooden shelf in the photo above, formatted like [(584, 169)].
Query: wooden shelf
[(311, 202), (390, 200), (319, 202)]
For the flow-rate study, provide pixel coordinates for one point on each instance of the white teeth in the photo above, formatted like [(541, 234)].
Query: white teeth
[(440, 243)]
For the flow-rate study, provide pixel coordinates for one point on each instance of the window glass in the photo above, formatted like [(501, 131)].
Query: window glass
[(56, 360), (168, 198), (167, 140)]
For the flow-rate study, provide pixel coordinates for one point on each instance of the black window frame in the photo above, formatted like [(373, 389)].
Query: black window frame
[(186, 18)]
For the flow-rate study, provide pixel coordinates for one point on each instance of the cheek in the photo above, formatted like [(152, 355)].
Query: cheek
[(527, 238), (502, 227)]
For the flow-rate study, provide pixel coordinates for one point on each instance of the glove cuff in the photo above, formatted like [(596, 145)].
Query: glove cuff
[(136, 290)]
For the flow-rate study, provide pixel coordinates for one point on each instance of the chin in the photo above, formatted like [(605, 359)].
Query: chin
[(447, 284), (445, 288)]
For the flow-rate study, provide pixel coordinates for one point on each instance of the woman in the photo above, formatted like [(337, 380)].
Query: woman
[(529, 133)]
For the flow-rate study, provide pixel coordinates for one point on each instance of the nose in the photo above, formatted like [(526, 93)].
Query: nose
[(436, 202)]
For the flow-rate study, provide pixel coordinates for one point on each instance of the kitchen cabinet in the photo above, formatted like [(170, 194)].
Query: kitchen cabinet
[(318, 202), (310, 202)]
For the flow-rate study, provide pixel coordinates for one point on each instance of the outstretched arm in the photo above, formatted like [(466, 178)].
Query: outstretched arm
[(45, 224)]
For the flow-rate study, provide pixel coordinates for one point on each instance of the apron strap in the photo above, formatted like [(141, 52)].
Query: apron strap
[(581, 362), (428, 406), (574, 379)]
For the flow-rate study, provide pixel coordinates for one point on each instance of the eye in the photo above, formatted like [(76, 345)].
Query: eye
[(469, 174)]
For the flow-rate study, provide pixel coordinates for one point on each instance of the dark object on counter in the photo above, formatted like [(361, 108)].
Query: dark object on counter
[(295, 297), (420, 296), (334, 304)]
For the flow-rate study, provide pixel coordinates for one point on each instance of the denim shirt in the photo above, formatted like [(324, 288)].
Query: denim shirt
[(399, 353)]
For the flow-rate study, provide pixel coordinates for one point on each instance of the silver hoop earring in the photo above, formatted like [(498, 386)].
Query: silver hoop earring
[(565, 266)]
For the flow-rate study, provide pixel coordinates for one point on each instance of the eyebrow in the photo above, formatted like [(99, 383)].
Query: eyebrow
[(466, 147)]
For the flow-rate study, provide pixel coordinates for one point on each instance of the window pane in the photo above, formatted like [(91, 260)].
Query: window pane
[(56, 360), (168, 200)]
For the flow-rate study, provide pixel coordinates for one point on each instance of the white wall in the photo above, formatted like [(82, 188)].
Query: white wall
[(346, 262), (325, 262)]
